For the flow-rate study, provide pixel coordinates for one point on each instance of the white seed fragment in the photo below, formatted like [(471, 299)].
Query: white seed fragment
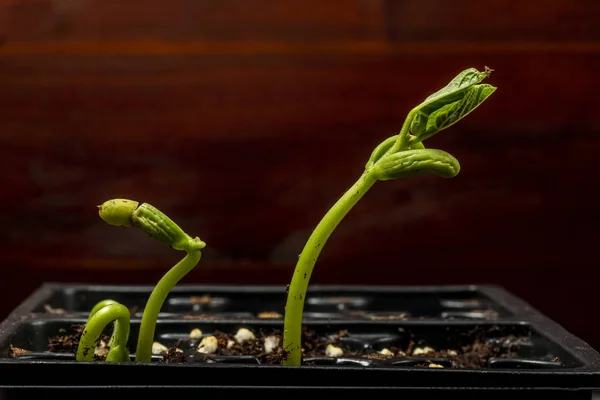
[(102, 349), (432, 365), (452, 353), (244, 335), (230, 344), (386, 352), (333, 351), (158, 348), (195, 334), (271, 343), (208, 345), (422, 350)]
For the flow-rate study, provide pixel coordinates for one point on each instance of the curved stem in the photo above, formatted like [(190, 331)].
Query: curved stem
[(100, 305), (292, 329), (155, 302), (96, 323), (403, 140), (117, 327)]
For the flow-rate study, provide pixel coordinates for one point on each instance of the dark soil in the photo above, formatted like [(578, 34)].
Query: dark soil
[(68, 342), (473, 355)]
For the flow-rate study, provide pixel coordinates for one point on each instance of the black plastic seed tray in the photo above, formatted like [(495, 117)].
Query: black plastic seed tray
[(427, 341), (260, 302)]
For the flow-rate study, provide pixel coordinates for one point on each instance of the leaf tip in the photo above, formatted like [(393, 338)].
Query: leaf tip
[(488, 89)]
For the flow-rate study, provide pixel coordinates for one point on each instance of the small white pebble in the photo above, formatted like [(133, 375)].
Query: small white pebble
[(102, 349), (386, 352), (271, 343), (333, 351), (195, 334), (432, 365), (244, 335), (158, 348), (230, 344), (422, 350), (208, 345)]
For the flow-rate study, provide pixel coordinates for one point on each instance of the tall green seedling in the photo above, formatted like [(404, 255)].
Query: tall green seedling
[(399, 156)]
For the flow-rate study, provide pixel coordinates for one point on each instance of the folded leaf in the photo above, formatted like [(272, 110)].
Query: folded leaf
[(451, 93), (451, 113), (416, 162)]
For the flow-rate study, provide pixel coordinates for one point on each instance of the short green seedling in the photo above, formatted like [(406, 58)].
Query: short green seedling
[(128, 213), (399, 156)]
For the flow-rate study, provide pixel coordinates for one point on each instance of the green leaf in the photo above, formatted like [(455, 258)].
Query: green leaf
[(419, 123), (452, 92), (416, 162), (450, 114)]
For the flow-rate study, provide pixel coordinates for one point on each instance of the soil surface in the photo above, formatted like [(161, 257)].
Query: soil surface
[(316, 349), (68, 342)]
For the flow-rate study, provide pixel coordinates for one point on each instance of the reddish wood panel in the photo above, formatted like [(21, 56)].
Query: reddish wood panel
[(407, 20), (196, 20), (142, 98), (492, 20), (246, 123)]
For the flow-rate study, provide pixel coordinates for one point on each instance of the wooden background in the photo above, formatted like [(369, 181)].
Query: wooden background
[(245, 120)]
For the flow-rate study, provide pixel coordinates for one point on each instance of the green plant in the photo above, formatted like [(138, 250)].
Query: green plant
[(101, 315), (128, 213), (399, 156)]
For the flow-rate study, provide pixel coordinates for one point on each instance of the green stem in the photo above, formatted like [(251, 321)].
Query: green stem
[(297, 291), (403, 141), (117, 327), (97, 322), (155, 302)]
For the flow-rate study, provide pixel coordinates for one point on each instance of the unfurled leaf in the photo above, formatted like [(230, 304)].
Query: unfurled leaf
[(416, 162), (451, 113), (451, 93)]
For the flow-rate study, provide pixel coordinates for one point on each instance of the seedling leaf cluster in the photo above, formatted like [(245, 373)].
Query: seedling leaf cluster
[(128, 213)]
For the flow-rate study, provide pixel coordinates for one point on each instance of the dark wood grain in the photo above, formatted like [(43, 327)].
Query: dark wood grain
[(246, 123), (185, 20), (492, 21)]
